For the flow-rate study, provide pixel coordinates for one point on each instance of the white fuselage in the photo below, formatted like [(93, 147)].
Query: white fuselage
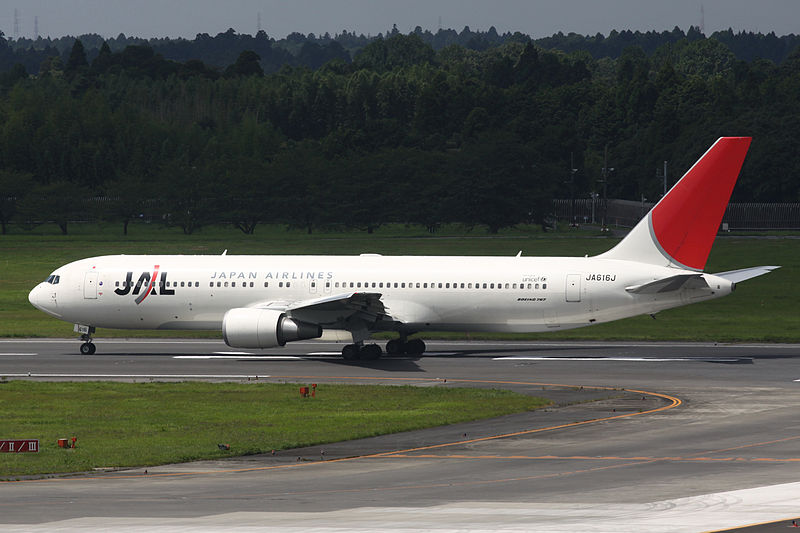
[(497, 294)]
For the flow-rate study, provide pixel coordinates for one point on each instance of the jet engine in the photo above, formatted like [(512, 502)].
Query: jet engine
[(264, 328)]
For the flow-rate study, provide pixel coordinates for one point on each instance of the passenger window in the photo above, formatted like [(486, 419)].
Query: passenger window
[(313, 284), (491, 286), (402, 285), (484, 285), (544, 285), (280, 284), (469, 285), (233, 283), (327, 284), (288, 283), (182, 283), (537, 285), (506, 285), (210, 283), (226, 283), (373, 284)]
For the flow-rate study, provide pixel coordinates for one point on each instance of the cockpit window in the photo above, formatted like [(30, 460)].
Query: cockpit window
[(53, 279), (56, 280)]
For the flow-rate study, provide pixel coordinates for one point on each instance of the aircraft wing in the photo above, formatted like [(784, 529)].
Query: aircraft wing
[(671, 283), (746, 273), (335, 309)]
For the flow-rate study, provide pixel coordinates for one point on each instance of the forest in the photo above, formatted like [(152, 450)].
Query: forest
[(358, 132)]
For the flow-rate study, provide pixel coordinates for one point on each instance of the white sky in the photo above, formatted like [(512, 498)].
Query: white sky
[(538, 18)]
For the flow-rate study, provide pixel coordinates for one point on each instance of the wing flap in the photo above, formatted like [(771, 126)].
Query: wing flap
[(338, 309)]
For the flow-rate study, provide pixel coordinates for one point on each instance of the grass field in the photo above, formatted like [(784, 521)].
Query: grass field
[(762, 309), (141, 424)]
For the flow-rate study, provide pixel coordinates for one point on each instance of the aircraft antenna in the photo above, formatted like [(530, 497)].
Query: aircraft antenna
[(16, 24)]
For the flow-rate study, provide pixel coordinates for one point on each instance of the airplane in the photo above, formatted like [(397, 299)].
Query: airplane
[(266, 301)]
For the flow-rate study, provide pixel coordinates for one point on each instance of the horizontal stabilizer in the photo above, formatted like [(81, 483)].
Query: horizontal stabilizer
[(746, 273), (672, 283)]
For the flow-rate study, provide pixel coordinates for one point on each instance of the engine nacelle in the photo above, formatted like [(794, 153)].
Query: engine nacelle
[(264, 328)]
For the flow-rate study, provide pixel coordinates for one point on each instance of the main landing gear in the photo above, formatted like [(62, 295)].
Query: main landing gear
[(371, 352), (359, 352), (88, 347)]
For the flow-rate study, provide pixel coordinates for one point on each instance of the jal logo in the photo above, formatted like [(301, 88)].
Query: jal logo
[(146, 283)]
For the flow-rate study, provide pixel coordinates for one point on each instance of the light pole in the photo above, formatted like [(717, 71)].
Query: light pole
[(572, 171), (604, 181), (663, 176)]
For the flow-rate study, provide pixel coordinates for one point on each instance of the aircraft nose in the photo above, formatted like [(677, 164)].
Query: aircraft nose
[(43, 299), (34, 296)]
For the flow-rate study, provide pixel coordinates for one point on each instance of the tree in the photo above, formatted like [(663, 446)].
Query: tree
[(188, 199), (247, 64), (126, 200), (77, 58), (60, 202), (13, 188)]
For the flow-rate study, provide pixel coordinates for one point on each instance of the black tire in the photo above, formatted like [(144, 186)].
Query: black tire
[(87, 348), (370, 352), (415, 347), (350, 352), (394, 347)]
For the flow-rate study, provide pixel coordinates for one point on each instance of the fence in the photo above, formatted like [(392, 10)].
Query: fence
[(626, 213)]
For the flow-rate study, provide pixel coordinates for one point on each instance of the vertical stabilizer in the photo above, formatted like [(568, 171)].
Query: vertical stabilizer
[(681, 228)]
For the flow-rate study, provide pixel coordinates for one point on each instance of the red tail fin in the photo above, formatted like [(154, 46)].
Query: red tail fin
[(686, 220), (680, 229)]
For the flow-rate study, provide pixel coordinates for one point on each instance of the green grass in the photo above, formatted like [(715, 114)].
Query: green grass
[(142, 424), (762, 309)]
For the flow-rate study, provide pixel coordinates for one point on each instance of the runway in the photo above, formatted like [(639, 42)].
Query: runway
[(710, 440)]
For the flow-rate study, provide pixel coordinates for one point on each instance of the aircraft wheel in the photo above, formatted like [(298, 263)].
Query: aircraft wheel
[(350, 352), (370, 352), (88, 348), (415, 347), (394, 347)]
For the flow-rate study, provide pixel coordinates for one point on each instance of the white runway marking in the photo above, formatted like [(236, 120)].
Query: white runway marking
[(235, 356), (138, 376), (2, 354), (604, 359)]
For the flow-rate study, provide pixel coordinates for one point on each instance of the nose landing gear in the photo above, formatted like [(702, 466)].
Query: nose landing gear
[(88, 347)]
